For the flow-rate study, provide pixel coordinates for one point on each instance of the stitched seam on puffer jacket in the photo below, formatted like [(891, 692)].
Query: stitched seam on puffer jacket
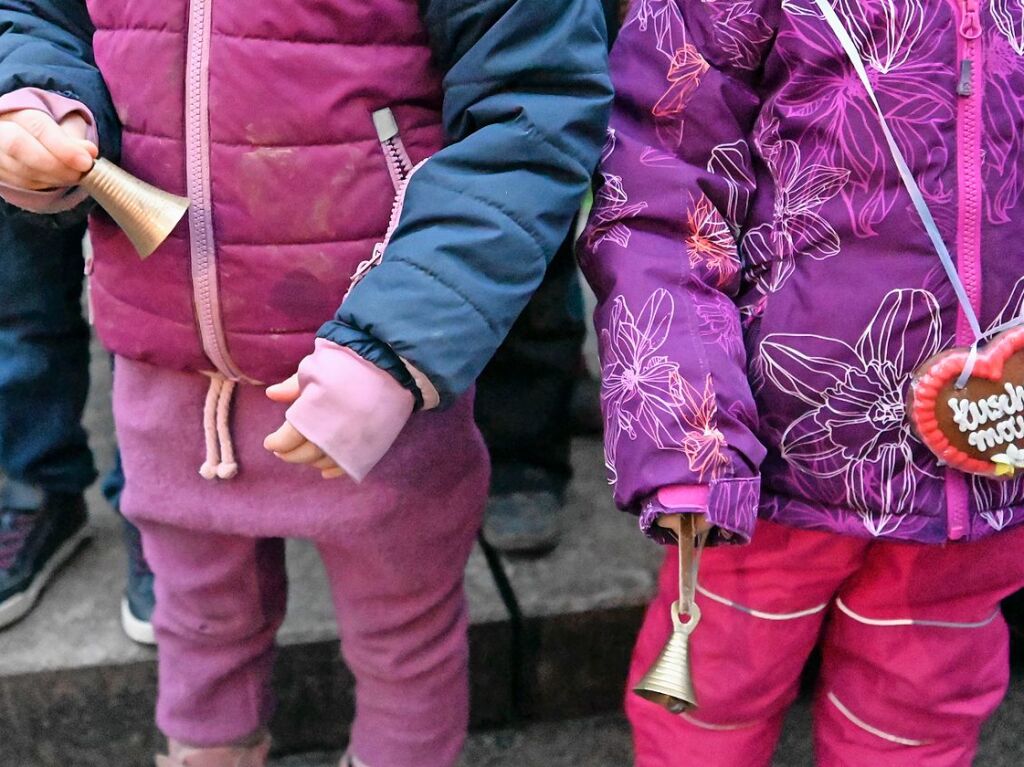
[(297, 243), (297, 145), (229, 35), (533, 130), (434, 276), (534, 236)]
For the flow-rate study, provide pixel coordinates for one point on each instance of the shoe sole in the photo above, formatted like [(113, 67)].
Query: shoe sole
[(20, 605), (523, 545), (137, 630)]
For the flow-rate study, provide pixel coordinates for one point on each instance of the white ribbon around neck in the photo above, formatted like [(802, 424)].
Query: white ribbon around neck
[(917, 197)]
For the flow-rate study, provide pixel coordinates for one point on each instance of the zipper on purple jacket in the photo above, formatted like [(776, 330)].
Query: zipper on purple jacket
[(197, 175), (970, 198)]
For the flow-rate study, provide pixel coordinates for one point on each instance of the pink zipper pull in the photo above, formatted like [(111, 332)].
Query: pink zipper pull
[(970, 23), (965, 86)]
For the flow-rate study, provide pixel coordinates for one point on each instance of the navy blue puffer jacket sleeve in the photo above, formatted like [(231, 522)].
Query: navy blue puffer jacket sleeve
[(526, 101), (47, 44)]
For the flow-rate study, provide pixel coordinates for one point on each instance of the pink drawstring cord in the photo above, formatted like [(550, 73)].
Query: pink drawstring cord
[(228, 466), (209, 468), (220, 460)]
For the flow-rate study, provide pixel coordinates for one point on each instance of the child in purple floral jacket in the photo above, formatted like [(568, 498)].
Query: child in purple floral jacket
[(766, 290)]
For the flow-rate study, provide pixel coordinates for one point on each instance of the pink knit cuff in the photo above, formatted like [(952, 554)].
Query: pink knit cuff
[(58, 107), (349, 407)]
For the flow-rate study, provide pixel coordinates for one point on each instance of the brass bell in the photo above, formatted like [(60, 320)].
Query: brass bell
[(146, 214), (669, 681)]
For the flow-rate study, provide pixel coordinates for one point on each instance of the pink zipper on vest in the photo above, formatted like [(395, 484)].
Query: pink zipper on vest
[(197, 158), (969, 124), (401, 170)]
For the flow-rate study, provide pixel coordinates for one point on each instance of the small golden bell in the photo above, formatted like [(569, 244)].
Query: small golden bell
[(669, 682), (146, 214)]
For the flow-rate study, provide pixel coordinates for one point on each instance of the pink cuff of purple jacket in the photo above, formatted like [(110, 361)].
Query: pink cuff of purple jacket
[(58, 107), (349, 407), (730, 505)]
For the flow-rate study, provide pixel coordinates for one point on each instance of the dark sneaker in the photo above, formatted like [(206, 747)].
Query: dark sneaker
[(39, 532), (523, 522), (138, 601)]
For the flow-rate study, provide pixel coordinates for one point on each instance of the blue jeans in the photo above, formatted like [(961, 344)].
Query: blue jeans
[(44, 355)]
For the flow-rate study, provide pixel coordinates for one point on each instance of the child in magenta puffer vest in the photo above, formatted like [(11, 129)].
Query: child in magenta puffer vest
[(769, 279), (300, 133)]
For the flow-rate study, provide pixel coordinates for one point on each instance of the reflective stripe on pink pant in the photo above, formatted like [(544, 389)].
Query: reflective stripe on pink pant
[(402, 620), (890, 694)]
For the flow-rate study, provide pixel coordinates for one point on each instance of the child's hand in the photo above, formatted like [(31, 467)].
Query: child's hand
[(288, 444), (37, 153)]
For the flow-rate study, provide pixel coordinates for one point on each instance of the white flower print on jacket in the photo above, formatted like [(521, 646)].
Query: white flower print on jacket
[(841, 124), (611, 205), (797, 227), (741, 31), (855, 424), (644, 395), (709, 241), (1009, 18)]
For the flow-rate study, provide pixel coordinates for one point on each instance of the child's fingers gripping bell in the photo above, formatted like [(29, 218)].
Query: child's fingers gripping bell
[(38, 153)]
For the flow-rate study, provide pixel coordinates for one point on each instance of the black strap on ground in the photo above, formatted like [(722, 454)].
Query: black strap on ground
[(517, 656)]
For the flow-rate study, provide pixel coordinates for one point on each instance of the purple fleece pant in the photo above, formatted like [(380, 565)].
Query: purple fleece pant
[(402, 621), (394, 547)]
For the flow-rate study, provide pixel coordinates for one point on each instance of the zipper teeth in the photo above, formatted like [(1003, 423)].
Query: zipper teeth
[(969, 202), (201, 225), (396, 208), (398, 157), (396, 212), (401, 163)]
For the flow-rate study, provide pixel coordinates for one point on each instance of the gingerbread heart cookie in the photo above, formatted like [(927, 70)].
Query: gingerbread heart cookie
[(978, 429)]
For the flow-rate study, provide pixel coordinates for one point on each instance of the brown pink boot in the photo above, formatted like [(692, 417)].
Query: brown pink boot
[(221, 756)]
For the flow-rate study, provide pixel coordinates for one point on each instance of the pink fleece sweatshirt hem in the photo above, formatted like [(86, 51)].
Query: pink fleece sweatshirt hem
[(58, 107), (349, 407)]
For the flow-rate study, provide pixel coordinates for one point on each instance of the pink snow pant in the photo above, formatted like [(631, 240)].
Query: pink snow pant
[(399, 598), (915, 650)]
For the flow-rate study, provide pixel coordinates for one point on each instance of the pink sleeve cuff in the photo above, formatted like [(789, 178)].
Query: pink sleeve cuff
[(685, 497), (730, 504), (58, 107), (349, 407)]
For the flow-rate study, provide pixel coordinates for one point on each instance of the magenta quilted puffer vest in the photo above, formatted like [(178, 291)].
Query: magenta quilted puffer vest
[(263, 115)]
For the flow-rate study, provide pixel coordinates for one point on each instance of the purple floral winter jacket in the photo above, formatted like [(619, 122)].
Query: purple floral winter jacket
[(765, 287)]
